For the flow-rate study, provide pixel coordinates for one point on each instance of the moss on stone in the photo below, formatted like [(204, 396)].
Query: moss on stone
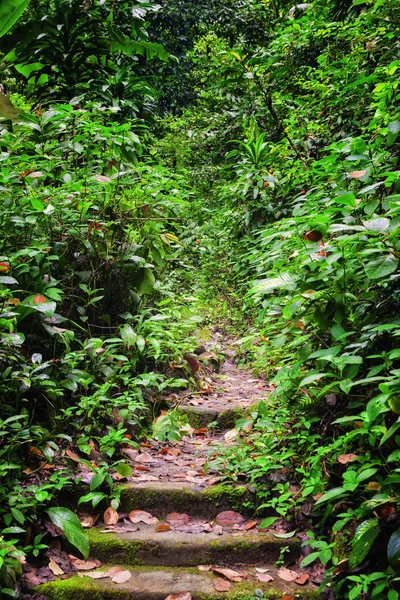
[(227, 418), (110, 547)]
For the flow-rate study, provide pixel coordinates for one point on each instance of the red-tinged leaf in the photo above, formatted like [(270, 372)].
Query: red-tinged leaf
[(264, 577), (34, 450), (14, 301), (221, 585), (229, 517), (347, 458), (39, 299), (113, 570), (110, 516), (142, 468), (88, 520), (288, 598), (287, 574), (193, 362), (250, 525), (141, 516), (201, 431), (313, 236), (121, 577), (302, 580), (4, 267), (178, 519), (163, 527), (229, 574), (181, 596), (72, 455), (103, 178), (36, 174), (54, 568)]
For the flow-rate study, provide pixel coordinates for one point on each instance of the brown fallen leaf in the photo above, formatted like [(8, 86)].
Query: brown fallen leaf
[(163, 527), (88, 521), (72, 455), (204, 567), (261, 570), (178, 518), (218, 529), (250, 525), (93, 574), (201, 431), (54, 568), (229, 574), (231, 435), (347, 458), (113, 570), (229, 517), (287, 574), (141, 516), (142, 468), (110, 516), (121, 577), (85, 565), (287, 598), (145, 457), (264, 577), (357, 174), (221, 585), (181, 596), (302, 580)]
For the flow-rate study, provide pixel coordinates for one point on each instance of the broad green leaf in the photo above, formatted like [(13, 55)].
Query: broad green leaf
[(10, 12), (128, 335), (69, 523), (364, 537), (331, 495), (123, 469), (377, 225), (267, 522), (393, 549), (146, 281), (393, 132), (382, 266)]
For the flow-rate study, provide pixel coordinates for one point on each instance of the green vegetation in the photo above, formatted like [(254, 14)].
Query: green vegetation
[(231, 163)]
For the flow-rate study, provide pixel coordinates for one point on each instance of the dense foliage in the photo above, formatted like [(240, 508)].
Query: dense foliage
[(159, 158)]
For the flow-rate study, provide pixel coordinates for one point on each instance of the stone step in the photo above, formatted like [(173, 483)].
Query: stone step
[(199, 416), (177, 549), (162, 497), (150, 584)]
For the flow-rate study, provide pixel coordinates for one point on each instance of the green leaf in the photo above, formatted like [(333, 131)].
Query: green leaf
[(18, 516), (331, 495), (123, 469), (147, 281), (128, 335), (377, 225), (72, 528), (393, 132), (10, 12), (364, 537), (393, 549), (382, 266), (267, 522)]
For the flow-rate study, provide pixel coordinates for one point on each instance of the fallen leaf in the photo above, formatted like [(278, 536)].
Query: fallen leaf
[(218, 529), (120, 529), (141, 516), (178, 518), (102, 178), (313, 236), (221, 585), (287, 598), (39, 299), (287, 574), (357, 174), (250, 525), (229, 574), (181, 596), (110, 516), (373, 486), (193, 362), (302, 580), (163, 527), (201, 431), (231, 435), (229, 517), (94, 574), (54, 568), (261, 570), (72, 455), (347, 458), (88, 520), (121, 577), (113, 570), (145, 457), (85, 565), (204, 567), (264, 577), (142, 468)]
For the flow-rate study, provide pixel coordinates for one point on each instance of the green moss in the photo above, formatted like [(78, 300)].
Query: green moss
[(198, 418), (109, 547)]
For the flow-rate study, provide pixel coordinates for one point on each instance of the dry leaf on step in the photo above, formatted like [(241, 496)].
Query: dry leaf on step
[(121, 577), (141, 516), (261, 570), (94, 574), (231, 435), (54, 568), (85, 565), (287, 574), (264, 577), (204, 567), (88, 520), (347, 458), (178, 518), (181, 596), (250, 525), (221, 585), (113, 570), (145, 457), (229, 574), (110, 516), (229, 517), (163, 527), (302, 580)]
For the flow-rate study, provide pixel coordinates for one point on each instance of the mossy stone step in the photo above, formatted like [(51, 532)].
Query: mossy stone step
[(161, 498), (178, 549), (199, 416), (150, 584)]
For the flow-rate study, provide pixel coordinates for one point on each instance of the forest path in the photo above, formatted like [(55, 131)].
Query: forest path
[(182, 532)]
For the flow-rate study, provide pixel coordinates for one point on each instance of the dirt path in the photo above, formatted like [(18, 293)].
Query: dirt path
[(180, 531)]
